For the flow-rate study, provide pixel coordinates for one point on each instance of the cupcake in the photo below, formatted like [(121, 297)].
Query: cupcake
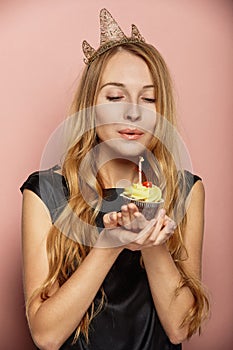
[(146, 196)]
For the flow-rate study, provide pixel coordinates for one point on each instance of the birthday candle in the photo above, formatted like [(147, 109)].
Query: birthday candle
[(141, 159)]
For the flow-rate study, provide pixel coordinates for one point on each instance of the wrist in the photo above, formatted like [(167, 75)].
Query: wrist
[(156, 249), (108, 252), (158, 252)]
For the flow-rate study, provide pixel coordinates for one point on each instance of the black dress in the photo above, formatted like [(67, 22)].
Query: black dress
[(128, 320)]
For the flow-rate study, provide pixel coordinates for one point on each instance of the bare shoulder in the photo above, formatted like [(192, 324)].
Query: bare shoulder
[(198, 189), (194, 230), (32, 203), (196, 197)]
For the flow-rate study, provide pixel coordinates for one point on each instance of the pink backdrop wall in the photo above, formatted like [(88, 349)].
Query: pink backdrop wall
[(40, 60)]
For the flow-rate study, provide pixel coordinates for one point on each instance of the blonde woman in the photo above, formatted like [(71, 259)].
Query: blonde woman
[(97, 274)]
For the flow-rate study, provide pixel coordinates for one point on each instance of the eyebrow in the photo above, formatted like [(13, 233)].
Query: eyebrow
[(123, 86)]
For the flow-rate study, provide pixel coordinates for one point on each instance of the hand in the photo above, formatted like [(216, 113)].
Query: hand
[(129, 229), (131, 219)]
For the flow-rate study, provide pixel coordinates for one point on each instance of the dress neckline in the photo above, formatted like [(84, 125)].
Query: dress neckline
[(105, 190)]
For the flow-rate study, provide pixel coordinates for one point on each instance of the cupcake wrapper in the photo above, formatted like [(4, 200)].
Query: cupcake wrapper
[(149, 209)]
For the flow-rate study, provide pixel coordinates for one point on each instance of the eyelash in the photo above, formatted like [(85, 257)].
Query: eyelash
[(114, 98), (117, 98), (149, 100)]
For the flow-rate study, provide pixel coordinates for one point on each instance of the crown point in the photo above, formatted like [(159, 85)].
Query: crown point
[(87, 49), (135, 34), (110, 35), (109, 29)]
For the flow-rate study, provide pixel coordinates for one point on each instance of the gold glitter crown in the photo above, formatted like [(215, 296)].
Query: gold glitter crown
[(110, 35)]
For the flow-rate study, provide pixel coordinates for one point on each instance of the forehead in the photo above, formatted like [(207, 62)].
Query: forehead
[(128, 68)]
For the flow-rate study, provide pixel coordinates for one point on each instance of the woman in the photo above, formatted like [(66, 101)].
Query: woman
[(136, 283)]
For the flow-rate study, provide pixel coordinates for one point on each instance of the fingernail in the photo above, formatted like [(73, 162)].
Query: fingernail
[(162, 213), (112, 216), (172, 226)]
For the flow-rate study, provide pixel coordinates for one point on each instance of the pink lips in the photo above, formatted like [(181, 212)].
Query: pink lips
[(131, 134)]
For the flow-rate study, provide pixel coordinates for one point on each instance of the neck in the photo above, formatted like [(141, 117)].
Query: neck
[(118, 173)]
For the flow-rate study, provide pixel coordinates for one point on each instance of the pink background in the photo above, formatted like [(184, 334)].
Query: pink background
[(40, 60)]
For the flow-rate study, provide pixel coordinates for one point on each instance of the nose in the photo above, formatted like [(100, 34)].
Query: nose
[(133, 112)]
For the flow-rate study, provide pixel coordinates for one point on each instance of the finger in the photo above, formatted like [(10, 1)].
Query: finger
[(169, 221), (158, 227), (160, 221), (119, 219), (170, 226), (165, 233), (126, 217), (141, 220), (161, 240), (110, 220), (133, 210), (143, 234), (162, 213)]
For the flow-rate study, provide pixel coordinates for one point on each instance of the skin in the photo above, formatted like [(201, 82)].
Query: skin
[(126, 100), (52, 321)]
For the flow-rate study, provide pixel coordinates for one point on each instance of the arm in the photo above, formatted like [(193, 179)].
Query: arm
[(52, 321), (164, 277)]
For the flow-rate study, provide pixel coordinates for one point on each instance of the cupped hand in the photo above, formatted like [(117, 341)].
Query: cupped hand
[(129, 229)]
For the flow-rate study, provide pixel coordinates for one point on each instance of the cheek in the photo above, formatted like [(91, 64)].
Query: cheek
[(104, 132), (101, 120), (149, 127), (149, 119), (108, 113)]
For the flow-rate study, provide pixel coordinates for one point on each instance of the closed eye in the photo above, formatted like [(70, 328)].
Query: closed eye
[(149, 100), (114, 98)]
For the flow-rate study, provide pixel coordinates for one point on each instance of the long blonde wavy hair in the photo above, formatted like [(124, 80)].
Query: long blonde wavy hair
[(65, 253)]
